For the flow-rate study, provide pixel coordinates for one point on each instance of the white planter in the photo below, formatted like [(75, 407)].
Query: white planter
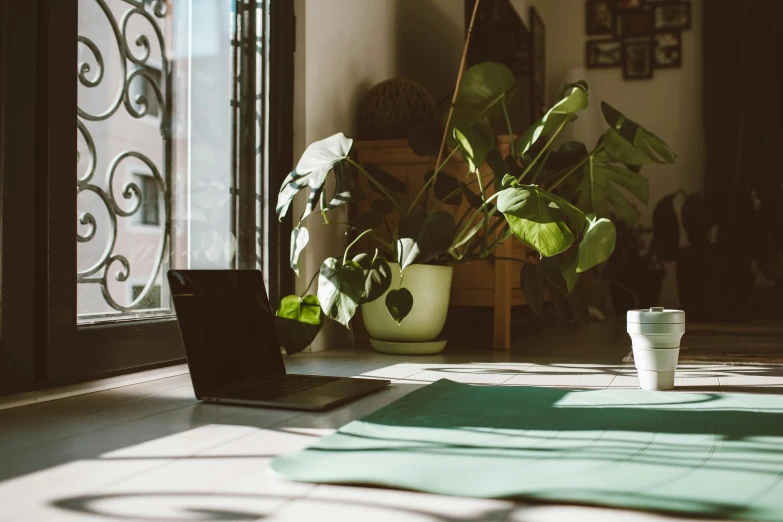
[(656, 335), (431, 290)]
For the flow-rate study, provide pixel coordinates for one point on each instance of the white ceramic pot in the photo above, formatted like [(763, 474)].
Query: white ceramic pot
[(431, 290), (656, 335)]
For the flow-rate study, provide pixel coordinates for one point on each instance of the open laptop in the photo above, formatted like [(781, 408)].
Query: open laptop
[(228, 329)]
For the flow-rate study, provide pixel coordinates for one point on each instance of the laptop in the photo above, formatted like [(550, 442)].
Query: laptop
[(228, 329)]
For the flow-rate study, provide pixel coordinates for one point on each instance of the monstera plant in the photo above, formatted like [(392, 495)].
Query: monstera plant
[(555, 197)]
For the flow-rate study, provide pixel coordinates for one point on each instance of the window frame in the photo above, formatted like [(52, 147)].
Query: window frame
[(38, 305)]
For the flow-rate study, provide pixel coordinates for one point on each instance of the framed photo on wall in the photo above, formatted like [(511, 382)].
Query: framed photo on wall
[(628, 4), (637, 59), (635, 23), (600, 18), (603, 53), (667, 50), (672, 16)]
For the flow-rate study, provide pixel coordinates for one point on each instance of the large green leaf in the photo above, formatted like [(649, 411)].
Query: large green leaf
[(383, 178), (483, 88), (424, 236), (305, 310), (598, 193), (643, 140), (474, 199), (424, 139), (476, 142), (499, 168), (377, 276), (340, 289), (299, 238), (311, 171), (534, 221), (563, 111), (533, 288), (399, 304), (575, 217), (666, 230), (484, 83), (298, 321), (532, 203), (367, 221), (383, 207), (568, 269), (597, 243), (622, 151), (446, 187), (559, 161), (548, 239), (343, 187), (698, 219), (528, 202)]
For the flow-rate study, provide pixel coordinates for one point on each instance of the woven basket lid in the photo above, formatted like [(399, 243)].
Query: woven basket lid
[(656, 314)]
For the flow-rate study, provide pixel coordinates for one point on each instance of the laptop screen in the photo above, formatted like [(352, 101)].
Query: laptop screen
[(227, 326)]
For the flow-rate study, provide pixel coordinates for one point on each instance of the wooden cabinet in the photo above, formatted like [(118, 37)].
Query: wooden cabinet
[(479, 283)]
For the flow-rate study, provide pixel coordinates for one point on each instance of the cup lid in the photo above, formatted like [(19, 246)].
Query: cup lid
[(656, 314)]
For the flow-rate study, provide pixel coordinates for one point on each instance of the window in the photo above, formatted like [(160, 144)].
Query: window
[(175, 103), (149, 213), (141, 91), (152, 297)]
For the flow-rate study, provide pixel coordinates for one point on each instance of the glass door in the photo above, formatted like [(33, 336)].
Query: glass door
[(170, 146)]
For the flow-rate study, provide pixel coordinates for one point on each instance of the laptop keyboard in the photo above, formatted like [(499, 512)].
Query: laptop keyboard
[(283, 386)]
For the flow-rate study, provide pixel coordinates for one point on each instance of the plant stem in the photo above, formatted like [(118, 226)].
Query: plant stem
[(462, 231), (510, 131), (438, 168), (486, 213), (378, 185), (541, 167), (459, 81), (345, 254), (462, 218), (504, 258), (330, 223), (456, 191), (312, 279), (541, 152), (573, 169)]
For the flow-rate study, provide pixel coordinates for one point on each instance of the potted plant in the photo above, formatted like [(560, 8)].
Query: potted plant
[(734, 236), (556, 200)]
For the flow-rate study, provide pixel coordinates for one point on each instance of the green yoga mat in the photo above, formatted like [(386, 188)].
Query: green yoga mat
[(704, 454)]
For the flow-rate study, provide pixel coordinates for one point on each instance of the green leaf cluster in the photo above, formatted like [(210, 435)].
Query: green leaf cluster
[(556, 198)]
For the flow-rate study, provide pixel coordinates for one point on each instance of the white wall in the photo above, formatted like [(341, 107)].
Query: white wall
[(669, 104), (343, 48)]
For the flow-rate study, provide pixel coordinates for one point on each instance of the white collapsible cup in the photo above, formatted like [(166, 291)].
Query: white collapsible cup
[(656, 335)]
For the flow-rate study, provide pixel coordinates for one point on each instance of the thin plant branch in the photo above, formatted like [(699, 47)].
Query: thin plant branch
[(459, 81)]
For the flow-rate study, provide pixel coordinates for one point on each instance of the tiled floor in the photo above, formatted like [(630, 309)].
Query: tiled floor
[(150, 451)]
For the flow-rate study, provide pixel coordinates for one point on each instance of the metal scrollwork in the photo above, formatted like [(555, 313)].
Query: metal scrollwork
[(126, 201)]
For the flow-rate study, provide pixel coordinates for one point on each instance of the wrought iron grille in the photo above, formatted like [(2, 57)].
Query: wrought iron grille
[(134, 54), (143, 94)]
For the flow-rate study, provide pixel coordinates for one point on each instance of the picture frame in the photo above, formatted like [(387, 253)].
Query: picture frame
[(635, 23), (603, 53), (622, 5), (600, 18), (667, 50), (638, 59), (671, 16), (537, 63)]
